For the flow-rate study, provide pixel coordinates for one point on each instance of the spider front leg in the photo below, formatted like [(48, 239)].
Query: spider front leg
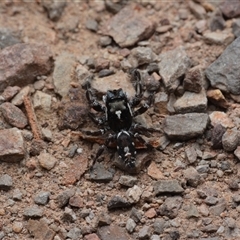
[(136, 77), (97, 120), (145, 106), (93, 100)]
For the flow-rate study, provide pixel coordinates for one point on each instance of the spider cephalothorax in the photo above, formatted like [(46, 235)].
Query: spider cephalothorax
[(118, 118), (118, 111)]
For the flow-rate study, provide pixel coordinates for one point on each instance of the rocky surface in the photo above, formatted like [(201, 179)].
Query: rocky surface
[(186, 185)]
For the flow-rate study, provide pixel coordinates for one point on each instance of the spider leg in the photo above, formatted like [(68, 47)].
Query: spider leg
[(141, 140), (102, 147), (97, 120), (136, 76), (145, 105), (138, 128), (93, 100)]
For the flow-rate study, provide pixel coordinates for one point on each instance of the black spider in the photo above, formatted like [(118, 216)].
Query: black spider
[(118, 118)]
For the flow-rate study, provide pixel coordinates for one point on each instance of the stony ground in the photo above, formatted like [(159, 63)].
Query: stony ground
[(186, 186)]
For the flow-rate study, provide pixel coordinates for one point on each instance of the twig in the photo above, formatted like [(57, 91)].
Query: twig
[(32, 118)]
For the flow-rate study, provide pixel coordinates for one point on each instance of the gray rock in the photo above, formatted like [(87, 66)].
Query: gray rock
[(33, 212), (118, 202), (216, 21), (218, 209), (2, 234), (231, 223), (105, 73), (69, 215), (111, 232), (62, 74), (192, 211), (18, 98), (236, 198), (237, 152), (194, 79), (13, 115), (197, 9), (223, 73), (170, 207), (128, 181), (191, 102), (192, 177), (104, 219), (74, 233), (130, 225), (236, 27), (173, 65), (47, 160), (6, 182), (155, 237), (211, 228), (54, 8), (210, 200), (8, 38), (92, 24), (133, 194), (167, 186), (10, 92), (141, 55), (191, 154), (144, 232), (23, 63), (185, 126), (136, 214), (203, 168), (219, 38), (42, 198), (159, 225), (100, 174), (216, 136), (17, 194), (230, 9), (69, 23), (63, 197), (230, 140), (42, 101), (128, 33), (12, 147), (105, 41)]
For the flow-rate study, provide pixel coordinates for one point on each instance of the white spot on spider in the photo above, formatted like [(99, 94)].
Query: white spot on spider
[(118, 113), (126, 149)]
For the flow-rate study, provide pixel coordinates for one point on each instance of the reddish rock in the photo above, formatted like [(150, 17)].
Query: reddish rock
[(13, 115), (113, 232), (76, 170), (193, 80), (10, 92), (230, 9), (40, 230), (76, 201), (11, 145), (129, 26), (21, 63), (92, 236), (154, 172), (150, 213)]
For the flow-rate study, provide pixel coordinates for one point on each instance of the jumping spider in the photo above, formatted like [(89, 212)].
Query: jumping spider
[(118, 119)]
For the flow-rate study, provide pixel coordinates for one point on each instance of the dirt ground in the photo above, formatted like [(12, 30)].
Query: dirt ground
[(77, 206)]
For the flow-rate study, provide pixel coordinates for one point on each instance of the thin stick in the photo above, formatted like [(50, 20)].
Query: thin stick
[(32, 118)]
